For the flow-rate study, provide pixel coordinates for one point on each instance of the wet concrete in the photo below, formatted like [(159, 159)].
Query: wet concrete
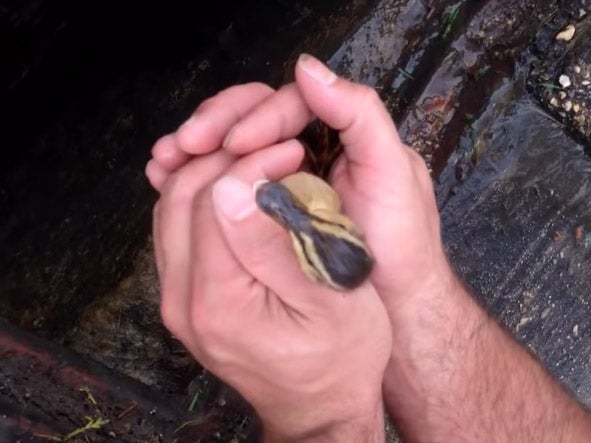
[(518, 231), (471, 79)]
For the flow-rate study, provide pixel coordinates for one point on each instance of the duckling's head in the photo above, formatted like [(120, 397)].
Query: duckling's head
[(327, 247)]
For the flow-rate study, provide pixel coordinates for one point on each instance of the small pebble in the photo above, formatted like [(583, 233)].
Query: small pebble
[(567, 106), (578, 69), (586, 82), (567, 34), (576, 108), (576, 330), (562, 95), (554, 102), (522, 322), (578, 233), (564, 81)]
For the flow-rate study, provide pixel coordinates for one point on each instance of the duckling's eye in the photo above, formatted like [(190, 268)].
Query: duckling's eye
[(346, 262), (335, 256), (326, 243)]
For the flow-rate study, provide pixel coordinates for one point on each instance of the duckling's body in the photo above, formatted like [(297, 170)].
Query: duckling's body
[(328, 247)]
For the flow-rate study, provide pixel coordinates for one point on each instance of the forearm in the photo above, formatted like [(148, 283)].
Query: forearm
[(465, 379)]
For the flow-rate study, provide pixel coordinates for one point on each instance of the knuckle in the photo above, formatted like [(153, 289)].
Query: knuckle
[(262, 87), (159, 145), (259, 87), (207, 104), (229, 94), (368, 96)]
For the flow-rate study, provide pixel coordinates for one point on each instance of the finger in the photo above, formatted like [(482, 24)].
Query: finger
[(356, 111), (206, 129), (156, 239), (271, 163), (156, 174), (221, 285), (280, 116), (174, 227), (338, 169), (168, 154), (260, 245)]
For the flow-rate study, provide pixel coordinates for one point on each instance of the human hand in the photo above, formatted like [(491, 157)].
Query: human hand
[(385, 186), (449, 359), (308, 359)]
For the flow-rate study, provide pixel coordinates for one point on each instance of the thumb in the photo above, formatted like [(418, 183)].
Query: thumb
[(261, 246), (366, 129)]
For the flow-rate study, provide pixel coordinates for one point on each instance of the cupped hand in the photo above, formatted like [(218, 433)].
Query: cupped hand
[(310, 360), (385, 186)]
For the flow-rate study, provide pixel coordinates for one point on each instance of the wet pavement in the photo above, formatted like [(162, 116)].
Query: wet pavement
[(496, 103), (518, 230)]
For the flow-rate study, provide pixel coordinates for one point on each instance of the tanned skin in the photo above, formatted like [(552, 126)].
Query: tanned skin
[(468, 380), (318, 365)]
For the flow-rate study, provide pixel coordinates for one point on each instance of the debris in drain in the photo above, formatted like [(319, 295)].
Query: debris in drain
[(49, 388), (566, 34)]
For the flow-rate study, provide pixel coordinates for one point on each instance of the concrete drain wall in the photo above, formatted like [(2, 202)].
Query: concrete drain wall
[(477, 87)]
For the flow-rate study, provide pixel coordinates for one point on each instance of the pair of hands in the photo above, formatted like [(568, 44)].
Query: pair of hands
[(311, 361)]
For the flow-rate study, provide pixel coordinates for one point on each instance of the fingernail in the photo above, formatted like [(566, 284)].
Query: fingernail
[(234, 198), (316, 69)]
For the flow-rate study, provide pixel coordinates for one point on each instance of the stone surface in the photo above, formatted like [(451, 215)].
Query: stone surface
[(48, 393), (518, 230)]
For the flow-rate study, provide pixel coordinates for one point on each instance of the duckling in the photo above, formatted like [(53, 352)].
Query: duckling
[(328, 246)]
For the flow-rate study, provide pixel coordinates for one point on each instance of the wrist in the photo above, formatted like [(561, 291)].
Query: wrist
[(365, 427), (432, 332), (419, 307)]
